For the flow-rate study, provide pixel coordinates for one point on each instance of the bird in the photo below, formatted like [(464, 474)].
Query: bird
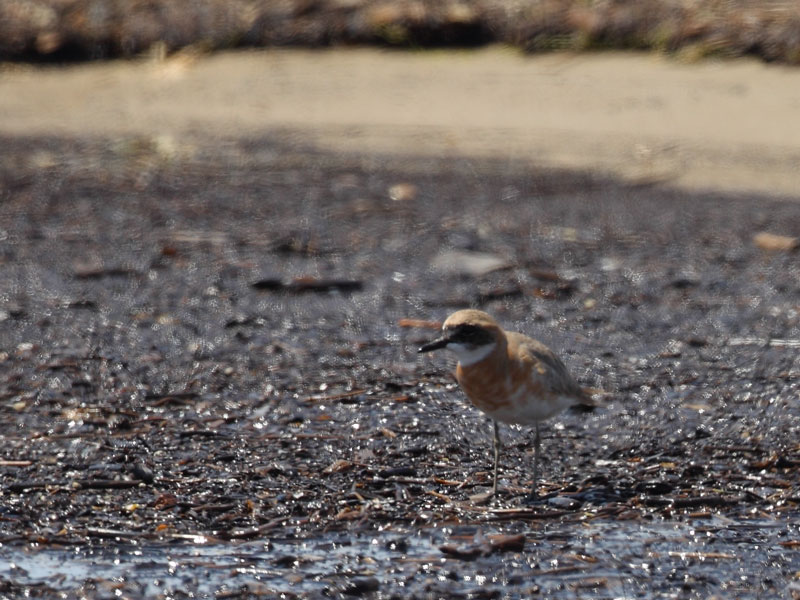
[(511, 377)]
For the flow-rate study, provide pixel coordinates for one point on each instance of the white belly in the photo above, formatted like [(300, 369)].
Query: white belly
[(530, 410)]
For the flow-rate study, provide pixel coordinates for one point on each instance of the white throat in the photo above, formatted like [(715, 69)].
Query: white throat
[(470, 355)]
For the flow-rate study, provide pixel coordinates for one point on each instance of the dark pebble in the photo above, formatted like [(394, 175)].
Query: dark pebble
[(397, 472), (654, 487), (361, 586), (142, 473)]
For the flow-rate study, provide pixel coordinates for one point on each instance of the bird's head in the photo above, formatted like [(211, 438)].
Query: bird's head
[(471, 334)]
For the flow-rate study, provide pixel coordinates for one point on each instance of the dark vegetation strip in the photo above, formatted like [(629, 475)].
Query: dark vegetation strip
[(85, 29)]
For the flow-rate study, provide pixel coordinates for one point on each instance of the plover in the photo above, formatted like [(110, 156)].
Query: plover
[(509, 376)]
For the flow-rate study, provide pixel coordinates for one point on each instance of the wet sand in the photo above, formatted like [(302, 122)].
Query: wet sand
[(215, 275)]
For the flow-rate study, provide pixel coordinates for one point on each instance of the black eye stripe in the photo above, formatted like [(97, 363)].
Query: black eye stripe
[(467, 332)]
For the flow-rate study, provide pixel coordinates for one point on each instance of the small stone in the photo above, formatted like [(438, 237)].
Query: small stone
[(685, 280), (507, 543), (48, 42), (563, 502), (361, 586), (471, 264), (337, 466), (267, 283), (143, 473), (403, 192), (776, 243)]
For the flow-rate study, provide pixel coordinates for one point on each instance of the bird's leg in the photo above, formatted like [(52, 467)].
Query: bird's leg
[(536, 446), (496, 456)]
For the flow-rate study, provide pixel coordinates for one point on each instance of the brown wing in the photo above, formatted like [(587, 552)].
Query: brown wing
[(548, 368)]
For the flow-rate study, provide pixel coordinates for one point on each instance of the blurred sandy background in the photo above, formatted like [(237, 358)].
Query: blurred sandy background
[(649, 118)]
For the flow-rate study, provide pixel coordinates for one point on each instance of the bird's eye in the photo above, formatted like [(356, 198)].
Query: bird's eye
[(467, 332)]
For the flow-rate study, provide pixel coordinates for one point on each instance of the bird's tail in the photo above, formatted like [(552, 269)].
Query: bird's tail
[(587, 401)]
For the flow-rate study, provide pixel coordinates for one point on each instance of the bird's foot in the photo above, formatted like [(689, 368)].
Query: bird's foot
[(532, 499)]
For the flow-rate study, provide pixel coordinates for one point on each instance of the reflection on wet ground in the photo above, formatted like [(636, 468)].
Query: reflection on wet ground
[(598, 559)]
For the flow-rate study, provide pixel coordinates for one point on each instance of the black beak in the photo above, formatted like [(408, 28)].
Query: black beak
[(435, 345)]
